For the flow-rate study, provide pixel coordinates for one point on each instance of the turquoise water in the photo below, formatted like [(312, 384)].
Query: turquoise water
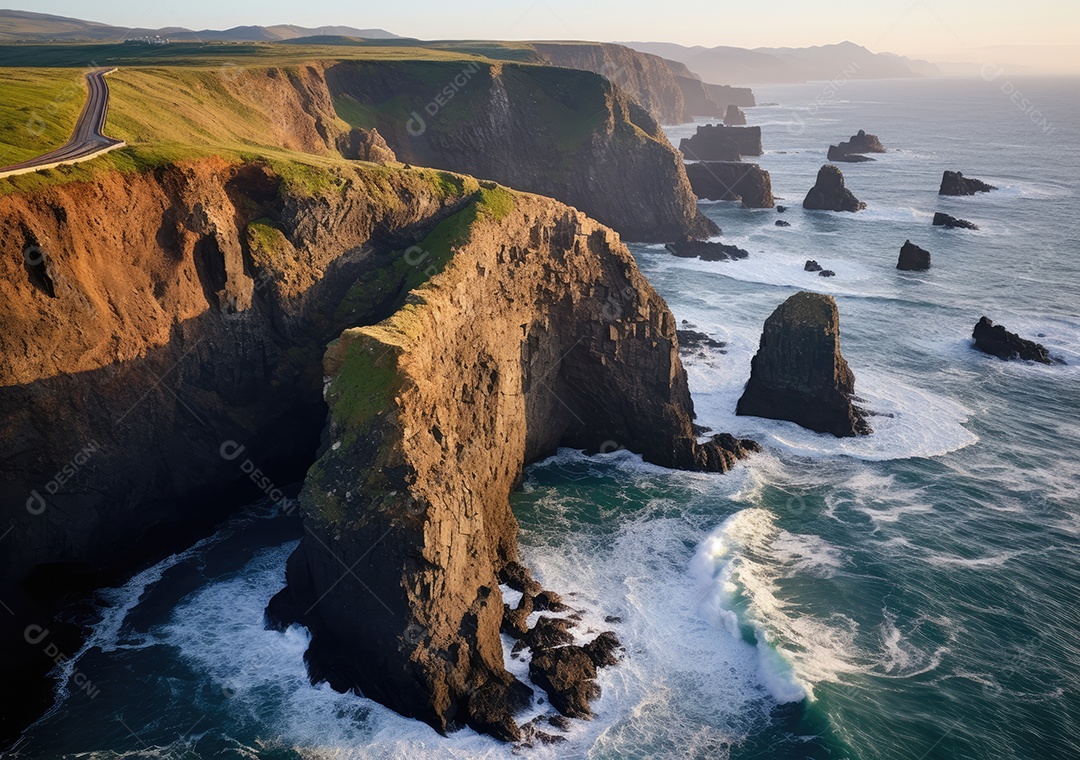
[(912, 594)]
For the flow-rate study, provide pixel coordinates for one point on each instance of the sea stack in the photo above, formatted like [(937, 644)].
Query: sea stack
[(913, 258), (731, 181), (715, 142), (829, 193), (852, 151), (997, 341), (955, 183), (944, 220), (798, 373), (734, 117)]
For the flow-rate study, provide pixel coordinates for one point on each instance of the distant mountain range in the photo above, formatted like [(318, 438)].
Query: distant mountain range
[(733, 65), (25, 26)]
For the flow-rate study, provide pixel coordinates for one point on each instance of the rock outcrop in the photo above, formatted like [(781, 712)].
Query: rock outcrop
[(538, 332), (997, 341), (734, 116), (724, 95), (366, 145), (560, 132), (830, 194), (798, 373), (731, 181), (955, 183), (715, 142), (852, 150), (944, 220), (707, 251), (913, 258), (811, 265), (781, 223)]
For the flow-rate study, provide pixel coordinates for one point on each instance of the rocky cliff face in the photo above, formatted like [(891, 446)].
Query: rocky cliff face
[(539, 332), (734, 116), (830, 194), (731, 181), (724, 95), (564, 133), (162, 334), (649, 78), (798, 373)]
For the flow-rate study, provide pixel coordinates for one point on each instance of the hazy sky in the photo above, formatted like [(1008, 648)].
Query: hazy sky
[(938, 29)]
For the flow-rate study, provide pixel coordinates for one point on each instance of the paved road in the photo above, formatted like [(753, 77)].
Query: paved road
[(88, 140)]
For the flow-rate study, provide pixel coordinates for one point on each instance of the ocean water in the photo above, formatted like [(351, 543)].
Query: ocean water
[(911, 594)]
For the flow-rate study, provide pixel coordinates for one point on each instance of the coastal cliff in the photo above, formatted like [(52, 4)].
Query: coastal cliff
[(540, 332), (564, 133)]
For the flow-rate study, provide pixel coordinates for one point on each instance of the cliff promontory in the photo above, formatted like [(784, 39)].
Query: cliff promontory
[(539, 332)]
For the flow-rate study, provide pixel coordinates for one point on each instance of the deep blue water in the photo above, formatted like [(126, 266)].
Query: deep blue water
[(912, 594)]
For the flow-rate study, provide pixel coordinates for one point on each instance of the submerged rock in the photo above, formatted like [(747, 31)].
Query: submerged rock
[(829, 193), (734, 116), (997, 341), (798, 373), (913, 258), (944, 220), (707, 251), (826, 273), (715, 142), (731, 181), (852, 150), (691, 340), (955, 183), (781, 223)]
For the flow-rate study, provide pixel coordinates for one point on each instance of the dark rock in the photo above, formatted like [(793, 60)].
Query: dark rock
[(731, 181), (548, 633), (707, 251), (852, 150), (798, 373), (826, 273), (692, 340), (568, 675), (782, 223), (491, 708), (515, 621), (781, 209), (734, 116), (548, 601), (724, 95), (955, 183), (517, 576), (811, 266), (612, 619), (944, 220), (997, 341), (601, 650), (913, 258), (715, 142), (835, 154), (829, 193)]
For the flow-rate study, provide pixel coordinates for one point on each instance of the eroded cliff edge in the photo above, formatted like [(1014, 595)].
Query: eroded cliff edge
[(539, 332)]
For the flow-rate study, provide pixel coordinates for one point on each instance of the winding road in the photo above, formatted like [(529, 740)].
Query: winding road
[(87, 141)]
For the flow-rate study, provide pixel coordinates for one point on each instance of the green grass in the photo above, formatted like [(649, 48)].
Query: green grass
[(365, 383), (38, 111)]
